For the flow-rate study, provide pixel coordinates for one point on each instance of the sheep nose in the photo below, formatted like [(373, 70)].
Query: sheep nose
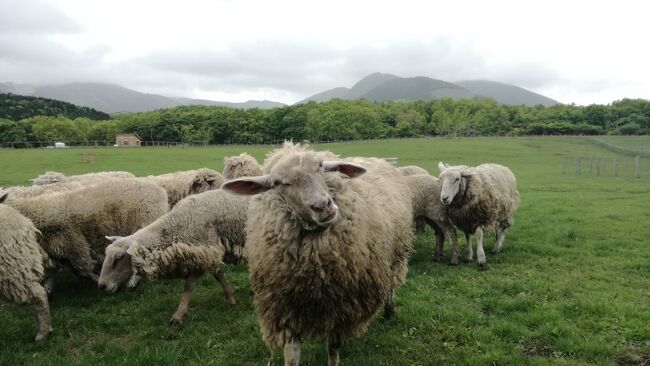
[(321, 205), (445, 199), (102, 286)]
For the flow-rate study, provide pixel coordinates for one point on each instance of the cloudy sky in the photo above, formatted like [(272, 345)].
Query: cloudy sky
[(234, 50)]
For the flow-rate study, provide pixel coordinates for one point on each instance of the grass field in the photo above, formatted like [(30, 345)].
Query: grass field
[(628, 142), (571, 286)]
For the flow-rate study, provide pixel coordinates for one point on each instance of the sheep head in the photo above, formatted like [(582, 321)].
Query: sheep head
[(299, 178), (453, 181), (116, 269)]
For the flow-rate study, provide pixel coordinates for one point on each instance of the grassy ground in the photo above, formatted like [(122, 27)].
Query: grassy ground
[(629, 142), (571, 286)]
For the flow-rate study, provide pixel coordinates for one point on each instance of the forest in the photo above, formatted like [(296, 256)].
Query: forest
[(335, 120)]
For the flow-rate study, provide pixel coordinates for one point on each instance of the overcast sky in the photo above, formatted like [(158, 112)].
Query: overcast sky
[(235, 50)]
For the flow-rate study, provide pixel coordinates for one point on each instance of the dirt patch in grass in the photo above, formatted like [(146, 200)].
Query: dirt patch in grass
[(635, 357), (538, 350)]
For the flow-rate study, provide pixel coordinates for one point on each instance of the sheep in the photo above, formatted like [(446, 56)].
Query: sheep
[(243, 165), (184, 183), (327, 245), (22, 265), (21, 192), (196, 236), (51, 177), (425, 193), (412, 169), (478, 198), (74, 223), (420, 223)]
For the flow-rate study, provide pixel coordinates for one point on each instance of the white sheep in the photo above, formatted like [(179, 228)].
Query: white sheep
[(74, 223), (325, 251), (412, 169), (179, 185), (239, 166), (425, 199), (21, 265), (478, 198), (197, 236), (51, 177)]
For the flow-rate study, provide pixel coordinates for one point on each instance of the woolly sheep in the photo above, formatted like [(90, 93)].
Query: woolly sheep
[(243, 165), (21, 265), (478, 198), (420, 223), (412, 169), (425, 193), (74, 223), (20, 192), (181, 184), (325, 251), (200, 233), (51, 177)]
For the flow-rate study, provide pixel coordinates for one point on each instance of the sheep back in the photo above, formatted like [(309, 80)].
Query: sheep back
[(239, 166)]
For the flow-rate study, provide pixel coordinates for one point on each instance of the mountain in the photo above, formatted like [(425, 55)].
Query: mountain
[(17, 107), (114, 98), (378, 87), (506, 93)]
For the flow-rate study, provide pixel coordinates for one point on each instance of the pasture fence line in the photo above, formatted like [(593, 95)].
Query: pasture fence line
[(623, 167), (620, 149)]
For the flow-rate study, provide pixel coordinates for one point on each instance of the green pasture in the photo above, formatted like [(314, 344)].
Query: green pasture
[(571, 286)]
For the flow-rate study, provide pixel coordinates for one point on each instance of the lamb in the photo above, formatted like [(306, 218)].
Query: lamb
[(21, 265), (420, 223), (412, 169), (74, 223), (425, 193), (243, 165), (478, 198), (200, 233), (51, 177), (327, 245), (184, 183)]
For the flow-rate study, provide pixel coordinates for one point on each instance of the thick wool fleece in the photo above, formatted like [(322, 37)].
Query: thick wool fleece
[(197, 236), (181, 184), (21, 258), (20, 192), (485, 199), (243, 165), (412, 169), (74, 223), (425, 197), (311, 284), (90, 178)]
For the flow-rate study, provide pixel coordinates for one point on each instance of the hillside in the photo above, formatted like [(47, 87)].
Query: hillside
[(114, 98), (506, 93), (378, 87), (17, 107)]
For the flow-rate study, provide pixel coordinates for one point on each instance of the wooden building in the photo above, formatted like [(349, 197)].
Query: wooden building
[(127, 140)]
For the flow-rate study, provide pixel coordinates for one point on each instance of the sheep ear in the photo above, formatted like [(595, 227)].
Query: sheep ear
[(112, 238), (249, 185), (442, 166), (349, 169), (4, 197), (134, 250)]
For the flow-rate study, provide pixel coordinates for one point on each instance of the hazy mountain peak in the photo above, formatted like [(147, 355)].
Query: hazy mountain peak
[(506, 93), (368, 83)]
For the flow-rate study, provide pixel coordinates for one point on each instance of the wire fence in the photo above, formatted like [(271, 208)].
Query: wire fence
[(620, 149), (624, 167)]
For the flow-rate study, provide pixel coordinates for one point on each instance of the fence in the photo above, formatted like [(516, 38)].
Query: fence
[(624, 167), (619, 149)]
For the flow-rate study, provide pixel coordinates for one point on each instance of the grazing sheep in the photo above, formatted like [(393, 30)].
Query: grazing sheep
[(412, 169), (51, 177), (200, 233), (73, 223), (243, 165), (420, 223), (181, 184), (425, 194), (325, 251), (478, 198), (21, 265), (20, 192)]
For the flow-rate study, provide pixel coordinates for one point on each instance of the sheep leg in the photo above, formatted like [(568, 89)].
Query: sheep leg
[(451, 233), (420, 226), (181, 311), (133, 281), (41, 305), (501, 235), (227, 287), (292, 352), (440, 240), (389, 305), (48, 284), (469, 254), (333, 349), (480, 254)]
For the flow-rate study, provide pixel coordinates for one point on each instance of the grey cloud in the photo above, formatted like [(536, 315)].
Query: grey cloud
[(34, 16)]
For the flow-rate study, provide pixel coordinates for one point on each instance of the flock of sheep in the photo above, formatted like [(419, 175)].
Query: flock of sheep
[(327, 240)]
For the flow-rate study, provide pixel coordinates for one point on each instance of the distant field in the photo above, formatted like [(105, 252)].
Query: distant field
[(571, 286), (629, 142)]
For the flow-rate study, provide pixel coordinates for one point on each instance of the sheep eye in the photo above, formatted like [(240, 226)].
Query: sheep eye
[(456, 180)]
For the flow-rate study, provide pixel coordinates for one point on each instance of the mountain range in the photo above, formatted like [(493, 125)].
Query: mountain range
[(111, 98), (380, 87)]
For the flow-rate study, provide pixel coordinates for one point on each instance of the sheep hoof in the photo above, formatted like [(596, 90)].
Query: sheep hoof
[(483, 266), (437, 258), (232, 301), (175, 321), (41, 335), (389, 312), (453, 262)]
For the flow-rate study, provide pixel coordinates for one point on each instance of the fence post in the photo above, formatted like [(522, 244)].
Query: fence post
[(598, 167), (615, 167), (637, 164), (578, 166), (591, 165)]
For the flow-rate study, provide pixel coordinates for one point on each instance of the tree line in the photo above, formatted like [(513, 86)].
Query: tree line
[(340, 120), (17, 107)]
